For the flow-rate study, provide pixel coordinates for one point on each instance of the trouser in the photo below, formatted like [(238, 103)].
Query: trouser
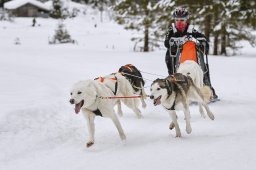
[(171, 66)]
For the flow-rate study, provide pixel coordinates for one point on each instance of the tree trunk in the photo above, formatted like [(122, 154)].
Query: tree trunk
[(207, 26), (146, 49), (223, 40), (215, 44), (215, 32), (146, 32)]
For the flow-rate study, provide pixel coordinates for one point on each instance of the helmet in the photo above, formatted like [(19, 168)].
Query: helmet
[(181, 12)]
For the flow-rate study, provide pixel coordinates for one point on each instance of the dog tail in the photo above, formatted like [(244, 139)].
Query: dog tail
[(206, 92)]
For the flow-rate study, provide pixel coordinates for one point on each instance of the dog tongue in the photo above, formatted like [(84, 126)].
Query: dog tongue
[(78, 107), (157, 101)]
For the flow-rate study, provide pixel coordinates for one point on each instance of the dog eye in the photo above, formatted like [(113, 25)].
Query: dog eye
[(79, 92), (158, 88), (71, 94)]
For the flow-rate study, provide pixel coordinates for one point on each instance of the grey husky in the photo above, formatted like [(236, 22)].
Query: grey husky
[(175, 92)]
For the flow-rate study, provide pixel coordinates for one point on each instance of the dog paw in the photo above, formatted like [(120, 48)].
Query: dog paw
[(123, 142), (211, 116), (123, 137), (203, 116), (89, 144), (178, 135), (171, 126), (188, 130)]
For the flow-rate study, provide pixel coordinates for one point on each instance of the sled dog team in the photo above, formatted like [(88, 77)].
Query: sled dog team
[(98, 97)]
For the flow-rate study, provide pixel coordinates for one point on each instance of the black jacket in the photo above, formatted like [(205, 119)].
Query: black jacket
[(173, 32)]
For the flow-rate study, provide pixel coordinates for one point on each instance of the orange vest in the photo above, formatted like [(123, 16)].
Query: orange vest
[(188, 52)]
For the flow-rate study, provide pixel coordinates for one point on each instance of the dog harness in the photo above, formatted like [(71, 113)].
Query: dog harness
[(101, 79), (134, 76), (97, 112), (169, 87), (172, 108)]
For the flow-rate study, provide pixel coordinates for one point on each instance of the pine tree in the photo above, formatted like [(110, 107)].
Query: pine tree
[(140, 16), (164, 18), (61, 35), (100, 5), (231, 26), (57, 9), (248, 11), (228, 21)]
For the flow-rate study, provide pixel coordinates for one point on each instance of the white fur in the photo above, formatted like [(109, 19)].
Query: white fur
[(124, 88), (90, 91), (191, 68)]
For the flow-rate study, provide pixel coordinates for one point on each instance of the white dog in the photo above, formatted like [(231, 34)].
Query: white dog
[(121, 87), (193, 70), (134, 76), (85, 95)]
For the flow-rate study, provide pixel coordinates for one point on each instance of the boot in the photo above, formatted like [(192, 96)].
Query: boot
[(208, 83), (214, 97)]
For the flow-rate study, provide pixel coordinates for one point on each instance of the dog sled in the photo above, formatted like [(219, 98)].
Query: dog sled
[(190, 48)]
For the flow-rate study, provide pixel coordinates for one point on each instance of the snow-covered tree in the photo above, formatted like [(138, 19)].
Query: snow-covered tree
[(61, 35), (100, 5), (142, 17), (248, 11), (227, 21), (57, 9), (229, 25), (5, 15)]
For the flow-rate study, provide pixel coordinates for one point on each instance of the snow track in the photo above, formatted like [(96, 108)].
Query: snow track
[(39, 129)]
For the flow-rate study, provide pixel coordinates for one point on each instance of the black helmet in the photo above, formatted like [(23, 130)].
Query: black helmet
[(181, 12)]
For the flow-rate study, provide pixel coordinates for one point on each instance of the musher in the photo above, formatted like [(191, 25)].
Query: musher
[(177, 34)]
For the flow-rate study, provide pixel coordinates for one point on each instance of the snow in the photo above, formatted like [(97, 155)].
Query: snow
[(39, 129), (18, 3)]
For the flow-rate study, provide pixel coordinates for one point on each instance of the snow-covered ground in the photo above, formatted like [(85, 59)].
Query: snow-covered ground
[(39, 129)]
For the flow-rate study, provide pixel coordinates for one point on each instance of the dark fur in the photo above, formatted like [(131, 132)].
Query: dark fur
[(180, 90), (133, 75), (176, 82)]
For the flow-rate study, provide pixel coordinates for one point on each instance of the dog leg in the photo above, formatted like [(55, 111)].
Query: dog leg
[(91, 127), (171, 126), (144, 105), (118, 126), (209, 113), (138, 112), (201, 110), (199, 98), (187, 117), (175, 122), (119, 108)]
